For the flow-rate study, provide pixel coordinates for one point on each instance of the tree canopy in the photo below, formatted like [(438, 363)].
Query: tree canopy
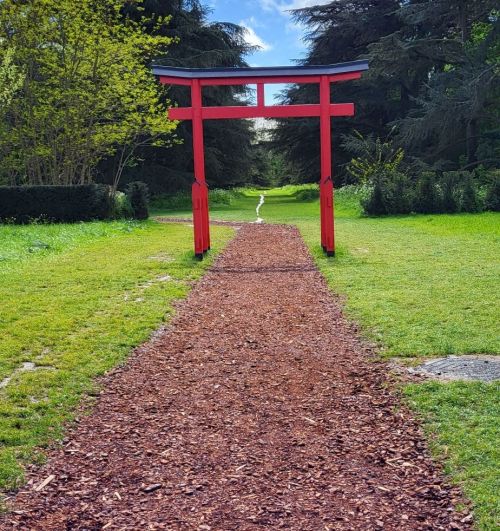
[(78, 101), (86, 90), (433, 81), (198, 43)]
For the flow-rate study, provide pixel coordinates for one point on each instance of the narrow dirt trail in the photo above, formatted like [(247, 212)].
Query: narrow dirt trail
[(257, 407)]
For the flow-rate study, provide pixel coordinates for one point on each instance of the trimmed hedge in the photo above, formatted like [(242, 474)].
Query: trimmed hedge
[(431, 193), (22, 204), (138, 197)]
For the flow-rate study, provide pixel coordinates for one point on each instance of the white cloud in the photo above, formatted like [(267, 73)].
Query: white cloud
[(297, 4), (270, 5), (252, 38), (285, 5)]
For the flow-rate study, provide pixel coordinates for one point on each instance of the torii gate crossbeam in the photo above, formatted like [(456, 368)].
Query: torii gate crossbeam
[(197, 78)]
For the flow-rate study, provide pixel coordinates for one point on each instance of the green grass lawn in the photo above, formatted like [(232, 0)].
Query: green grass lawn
[(419, 286), (75, 300)]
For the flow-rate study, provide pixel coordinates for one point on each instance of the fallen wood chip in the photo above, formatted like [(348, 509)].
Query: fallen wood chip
[(152, 488), (45, 482)]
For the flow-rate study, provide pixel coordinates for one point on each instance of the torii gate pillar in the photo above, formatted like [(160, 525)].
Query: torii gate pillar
[(197, 78)]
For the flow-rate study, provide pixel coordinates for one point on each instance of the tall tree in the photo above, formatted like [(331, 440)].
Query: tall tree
[(341, 31), (457, 107), (433, 76)]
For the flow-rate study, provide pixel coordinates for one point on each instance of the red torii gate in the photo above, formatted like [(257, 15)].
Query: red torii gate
[(197, 78)]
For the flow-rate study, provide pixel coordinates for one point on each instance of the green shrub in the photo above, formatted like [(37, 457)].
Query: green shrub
[(470, 202), (178, 201), (138, 197), (449, 187), (375, 157), (218, 196), (401, 196), (392, 193), (122, 209), (23, 204), (309, 194), (492, 199), (182, 199), (427, 196), (375, 205)]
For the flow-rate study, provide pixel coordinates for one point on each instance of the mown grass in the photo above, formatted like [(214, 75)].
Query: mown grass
[(462, 421), (22, 242), (419, 286), (75, 309)]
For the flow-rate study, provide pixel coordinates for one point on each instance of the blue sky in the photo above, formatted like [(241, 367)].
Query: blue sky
[(270, 26)]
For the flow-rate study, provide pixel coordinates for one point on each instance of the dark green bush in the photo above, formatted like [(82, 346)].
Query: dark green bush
[(392, 193), (138, 197), (22, 204), (401, 196), (375, 205), (455, 191), (427, 196), (492, 200), (449, 186), (470, 202), (309, 194)]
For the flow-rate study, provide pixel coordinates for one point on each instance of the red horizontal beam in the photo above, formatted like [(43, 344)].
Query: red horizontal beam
[(169, 80), (205, 82), (270, 80), (272, 111)]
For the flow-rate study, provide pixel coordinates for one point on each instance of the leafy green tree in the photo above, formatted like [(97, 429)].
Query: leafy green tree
[(11, 79), (87, 92)]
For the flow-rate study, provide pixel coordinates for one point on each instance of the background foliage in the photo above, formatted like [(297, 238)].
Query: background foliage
[(433, 83)]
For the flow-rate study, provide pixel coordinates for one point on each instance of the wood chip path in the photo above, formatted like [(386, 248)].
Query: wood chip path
[(256, 408)]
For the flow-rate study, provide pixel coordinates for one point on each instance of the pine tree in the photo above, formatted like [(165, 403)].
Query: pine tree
[(340, 31), (457, 43), (434, 75)]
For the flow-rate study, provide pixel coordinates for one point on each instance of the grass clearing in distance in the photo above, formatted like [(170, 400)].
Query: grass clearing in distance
[(420, 286), (76, 309)]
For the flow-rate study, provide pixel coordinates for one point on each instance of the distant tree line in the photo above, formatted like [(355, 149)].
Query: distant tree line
[(78, 102)]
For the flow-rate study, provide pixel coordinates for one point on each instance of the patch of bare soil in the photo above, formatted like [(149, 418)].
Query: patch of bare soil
[(256, 408)]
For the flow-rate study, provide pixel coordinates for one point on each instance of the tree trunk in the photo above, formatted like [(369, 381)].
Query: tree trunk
[(462, 21)]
